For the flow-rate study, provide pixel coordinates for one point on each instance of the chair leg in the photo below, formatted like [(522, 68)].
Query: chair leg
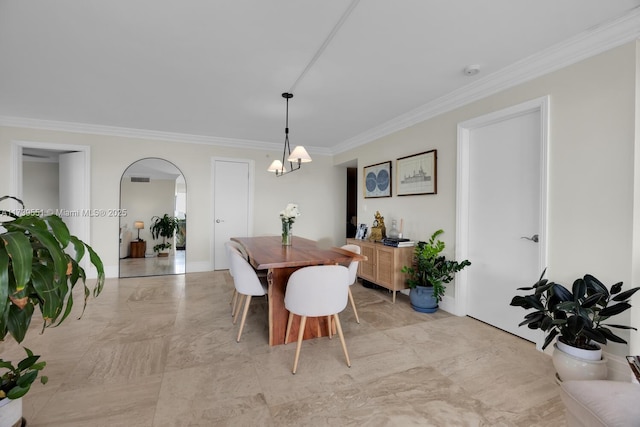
[(330, 327), (344, 345), (234, 301), (238, 307), (289, 322), (303, 323), (353, 305), (244, 315)]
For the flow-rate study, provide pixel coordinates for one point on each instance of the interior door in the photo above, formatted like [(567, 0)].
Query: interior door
[(505, 219), (231, 206)]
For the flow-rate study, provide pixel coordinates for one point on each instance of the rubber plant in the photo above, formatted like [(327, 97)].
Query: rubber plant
[(36, 271), (575, 316)]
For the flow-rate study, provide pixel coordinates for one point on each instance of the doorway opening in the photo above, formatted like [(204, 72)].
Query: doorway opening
[(352, 202), (54, 179)]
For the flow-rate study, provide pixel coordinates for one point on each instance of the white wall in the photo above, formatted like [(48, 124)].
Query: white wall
[(40, 185)]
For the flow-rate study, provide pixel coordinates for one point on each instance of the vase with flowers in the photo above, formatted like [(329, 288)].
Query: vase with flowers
[(288, 217)]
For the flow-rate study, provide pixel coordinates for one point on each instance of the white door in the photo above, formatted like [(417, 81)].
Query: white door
[(505, 190), (232, 200), (72, 190)]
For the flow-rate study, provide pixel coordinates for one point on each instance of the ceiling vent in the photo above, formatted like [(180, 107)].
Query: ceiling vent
[(140, 179)]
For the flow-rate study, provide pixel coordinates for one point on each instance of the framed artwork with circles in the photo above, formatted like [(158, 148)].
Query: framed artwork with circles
[(377, 180)]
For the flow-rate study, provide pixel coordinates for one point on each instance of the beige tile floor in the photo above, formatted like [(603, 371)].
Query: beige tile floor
[(160, 351), (153, 266)]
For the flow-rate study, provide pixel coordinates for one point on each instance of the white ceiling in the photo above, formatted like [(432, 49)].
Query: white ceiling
[(214, 70)]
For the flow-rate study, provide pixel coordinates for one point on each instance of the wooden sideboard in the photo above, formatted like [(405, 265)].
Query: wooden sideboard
[(383, 264)]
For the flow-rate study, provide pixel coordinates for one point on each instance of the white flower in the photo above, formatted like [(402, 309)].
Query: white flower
[(290, 213)]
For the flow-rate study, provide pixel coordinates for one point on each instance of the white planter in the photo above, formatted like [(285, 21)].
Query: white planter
[(11, 412), (579, 352), (569, 368)]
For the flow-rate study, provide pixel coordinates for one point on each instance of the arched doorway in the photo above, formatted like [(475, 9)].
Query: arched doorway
[(151, 188)]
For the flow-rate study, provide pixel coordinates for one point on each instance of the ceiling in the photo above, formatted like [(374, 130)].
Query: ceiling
[(214, 71)]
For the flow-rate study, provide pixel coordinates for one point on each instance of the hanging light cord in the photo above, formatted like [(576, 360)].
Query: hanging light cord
[(287, 147)]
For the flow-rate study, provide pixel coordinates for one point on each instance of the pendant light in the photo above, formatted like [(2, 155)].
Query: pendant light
[(295, 158)]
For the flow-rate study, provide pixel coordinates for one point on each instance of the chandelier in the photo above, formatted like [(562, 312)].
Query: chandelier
[(295, 158)]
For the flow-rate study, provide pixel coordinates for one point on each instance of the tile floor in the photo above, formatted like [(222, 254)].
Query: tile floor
[(153, 266), (160, 351)]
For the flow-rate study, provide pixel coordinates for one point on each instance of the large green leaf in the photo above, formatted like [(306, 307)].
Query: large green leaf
[(49, 292), (59, 229), (18, 321), (20, 251), (4, 287), (38, 229)]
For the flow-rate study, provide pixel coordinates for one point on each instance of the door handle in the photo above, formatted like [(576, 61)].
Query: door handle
[(533, 238), (219, 221)]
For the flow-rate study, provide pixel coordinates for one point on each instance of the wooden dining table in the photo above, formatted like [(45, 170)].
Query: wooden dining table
[(268, 253)]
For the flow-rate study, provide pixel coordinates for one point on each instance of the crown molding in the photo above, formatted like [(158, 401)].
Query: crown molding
[(182, 138), (587, 44)]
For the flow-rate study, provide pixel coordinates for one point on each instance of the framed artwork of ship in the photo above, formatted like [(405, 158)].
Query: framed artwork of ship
[(417, 174)]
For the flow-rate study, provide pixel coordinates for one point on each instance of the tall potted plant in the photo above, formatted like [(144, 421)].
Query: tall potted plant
[(429, 272), (576, 319), (36, 271), (165, 227)]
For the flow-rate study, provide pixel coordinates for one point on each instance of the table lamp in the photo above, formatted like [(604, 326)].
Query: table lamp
[(139, 225)]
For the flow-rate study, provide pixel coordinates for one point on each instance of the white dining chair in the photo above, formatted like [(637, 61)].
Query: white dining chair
[(353, 275), (233, 246), (316, 291), (247, 284)]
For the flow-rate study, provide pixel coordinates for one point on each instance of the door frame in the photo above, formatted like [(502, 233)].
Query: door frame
[(540, 105), (17, 171), (251, 166)]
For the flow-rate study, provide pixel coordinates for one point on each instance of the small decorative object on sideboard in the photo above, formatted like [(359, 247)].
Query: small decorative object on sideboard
[(378, 231), (288, 217), (398, 242), (429, 272), (575, 317)]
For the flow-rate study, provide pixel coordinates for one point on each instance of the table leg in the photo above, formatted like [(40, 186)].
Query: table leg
[(278, 314)]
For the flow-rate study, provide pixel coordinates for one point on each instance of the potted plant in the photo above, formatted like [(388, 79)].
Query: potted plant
[(429, 272), (37, 271), (165, 227), (576, 319)]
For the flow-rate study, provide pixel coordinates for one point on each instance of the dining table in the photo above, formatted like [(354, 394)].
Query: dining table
[(280, 261)]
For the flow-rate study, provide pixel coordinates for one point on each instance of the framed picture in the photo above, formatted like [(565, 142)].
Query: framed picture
[(417, 174), (361, 233), (377, 180)]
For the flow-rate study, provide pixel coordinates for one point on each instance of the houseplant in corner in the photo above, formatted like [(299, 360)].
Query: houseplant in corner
[(36, 271), (165, 227), (429, 272), (575, 318)]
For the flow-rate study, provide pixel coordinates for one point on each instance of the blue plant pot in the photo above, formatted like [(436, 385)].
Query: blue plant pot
[(422, 299)]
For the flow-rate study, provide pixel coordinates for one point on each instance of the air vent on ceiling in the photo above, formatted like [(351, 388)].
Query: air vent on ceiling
[(140, 179)]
